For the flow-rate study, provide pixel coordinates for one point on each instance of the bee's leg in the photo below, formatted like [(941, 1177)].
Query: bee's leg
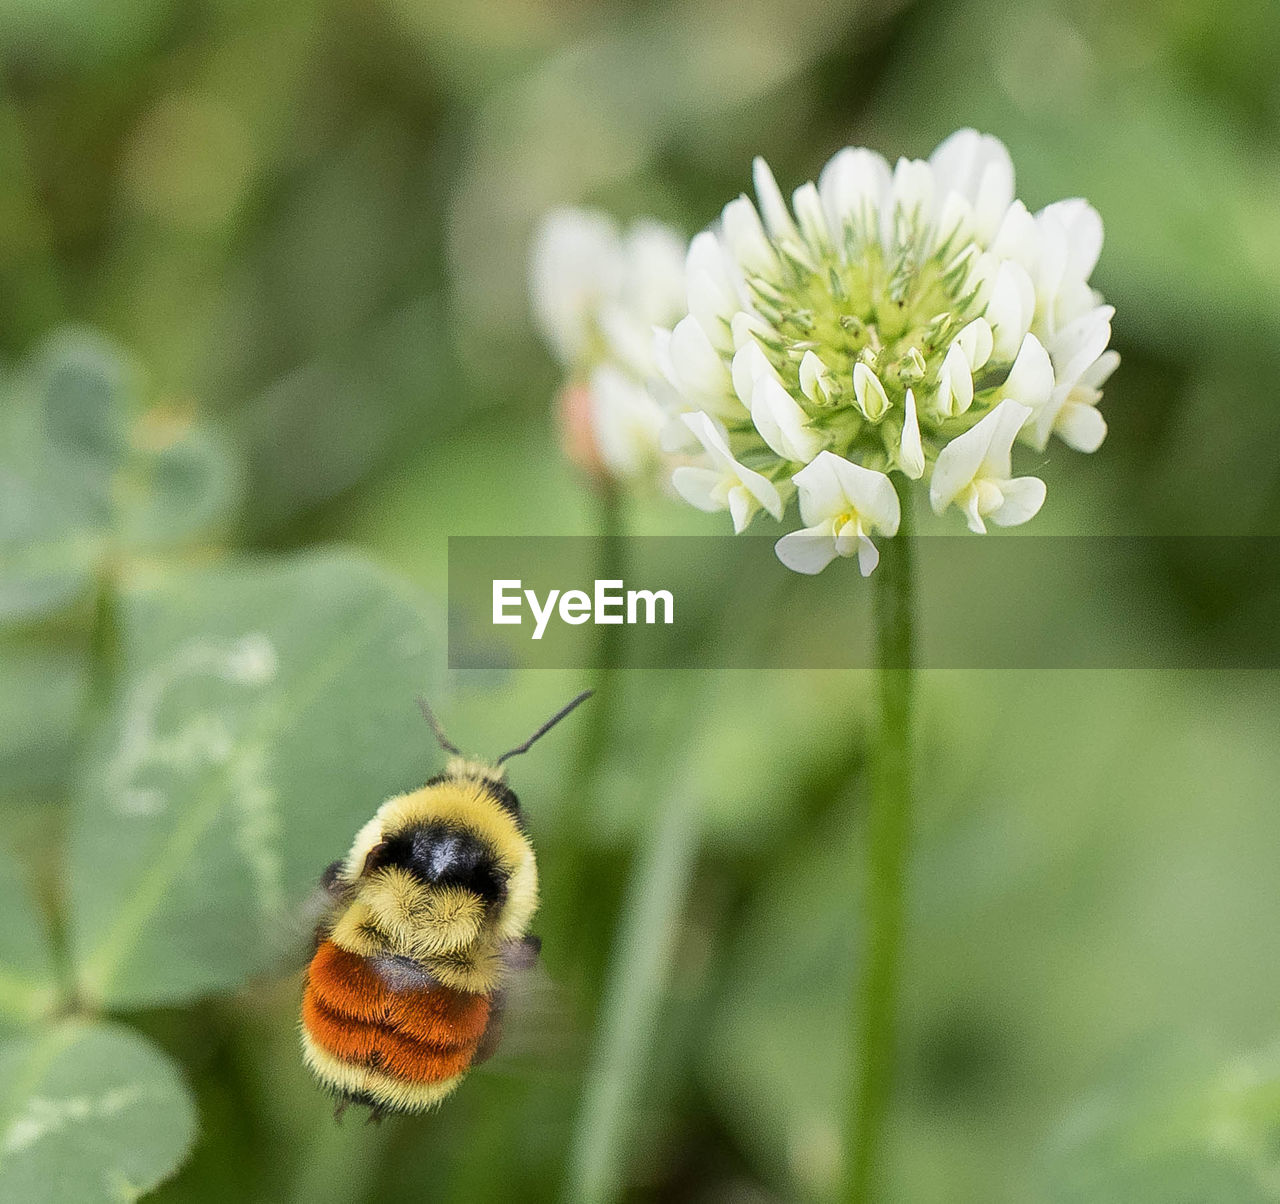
[(339, 1108), (376, 1113), (330, 882), (492, 1036)]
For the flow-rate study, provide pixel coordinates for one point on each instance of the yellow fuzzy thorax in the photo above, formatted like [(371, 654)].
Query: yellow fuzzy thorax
[(446, 928)]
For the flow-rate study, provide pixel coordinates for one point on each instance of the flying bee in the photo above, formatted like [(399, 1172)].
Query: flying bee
[(428, 919)]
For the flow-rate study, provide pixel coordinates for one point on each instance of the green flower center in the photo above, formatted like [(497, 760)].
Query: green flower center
[(895, 311)]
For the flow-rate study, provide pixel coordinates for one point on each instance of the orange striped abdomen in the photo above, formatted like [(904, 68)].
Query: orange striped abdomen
[(421, 1035)]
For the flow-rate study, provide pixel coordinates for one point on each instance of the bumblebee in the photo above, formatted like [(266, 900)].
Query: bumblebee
[(427, 919)]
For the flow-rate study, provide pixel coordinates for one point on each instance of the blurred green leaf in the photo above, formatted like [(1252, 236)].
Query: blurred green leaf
[(182, 487), (265, 710), (44, 687), (80, 481), (89, 1112), (27, 983), (1175, 1133), (64, 440)]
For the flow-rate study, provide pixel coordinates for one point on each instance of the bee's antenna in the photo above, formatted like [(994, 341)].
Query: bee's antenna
[(545, 728), (443, 740)]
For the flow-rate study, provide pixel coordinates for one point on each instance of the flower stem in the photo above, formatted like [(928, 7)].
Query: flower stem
[(569, 866), (640, 969), (888, 837), (597, 719)]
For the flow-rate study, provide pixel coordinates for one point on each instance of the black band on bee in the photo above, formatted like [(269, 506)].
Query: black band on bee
[(499, 791), (505, 797), (441, 854)]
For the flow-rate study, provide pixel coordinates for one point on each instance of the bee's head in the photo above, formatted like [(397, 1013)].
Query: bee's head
[(446, 864), (471, 839)]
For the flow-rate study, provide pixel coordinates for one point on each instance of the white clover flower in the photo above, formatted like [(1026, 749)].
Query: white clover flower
[(913, 320), (869, 393), (598, 293), (910, 448), (1077, 421), (815, 379), (842, 503), (974, 472), (626, 420), (695, 369), (723, 484), (782, 424)]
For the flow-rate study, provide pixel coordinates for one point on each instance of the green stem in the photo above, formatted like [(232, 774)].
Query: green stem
[(105, 655), (569, 868), (641, 967), (888, 836), (598, 717), (104, 643)]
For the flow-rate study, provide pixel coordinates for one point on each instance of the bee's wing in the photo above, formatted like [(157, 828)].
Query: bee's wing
[(529, 1021), (297, 935)]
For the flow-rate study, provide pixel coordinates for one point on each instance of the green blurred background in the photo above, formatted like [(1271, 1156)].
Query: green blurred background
[(308, 224)]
